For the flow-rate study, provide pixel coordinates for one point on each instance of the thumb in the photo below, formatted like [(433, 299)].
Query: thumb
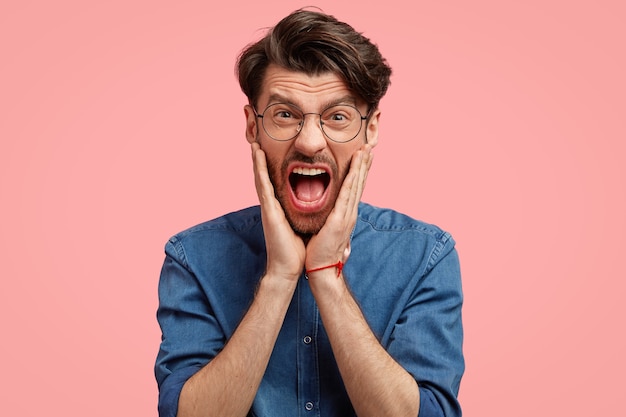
[(346, 253)]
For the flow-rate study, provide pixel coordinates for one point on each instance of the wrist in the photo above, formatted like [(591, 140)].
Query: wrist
[(337, 266), (327, 287), (277, 284)]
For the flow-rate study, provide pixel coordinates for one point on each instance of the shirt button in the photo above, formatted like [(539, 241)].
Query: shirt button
[(308, 406), (307, 339)]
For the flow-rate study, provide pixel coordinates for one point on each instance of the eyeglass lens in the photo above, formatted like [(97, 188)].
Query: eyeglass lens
[(340, 123)]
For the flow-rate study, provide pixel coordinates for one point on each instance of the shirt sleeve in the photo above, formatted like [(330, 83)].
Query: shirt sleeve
[(427, 339), (190, 332)]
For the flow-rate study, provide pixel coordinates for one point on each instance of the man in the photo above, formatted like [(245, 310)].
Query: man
[(313, 303)]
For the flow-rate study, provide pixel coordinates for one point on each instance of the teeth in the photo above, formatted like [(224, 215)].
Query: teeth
[(308, 171)]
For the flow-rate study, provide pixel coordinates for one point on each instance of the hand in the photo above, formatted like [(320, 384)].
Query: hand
[(332, 243), (285, 249)]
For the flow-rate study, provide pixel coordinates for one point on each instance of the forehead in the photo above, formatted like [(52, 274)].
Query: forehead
[(302, 89)]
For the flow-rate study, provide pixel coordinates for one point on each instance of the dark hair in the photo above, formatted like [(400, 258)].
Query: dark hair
[(313, 43)]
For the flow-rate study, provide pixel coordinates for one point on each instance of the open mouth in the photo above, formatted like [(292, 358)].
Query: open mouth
[(309, 184)]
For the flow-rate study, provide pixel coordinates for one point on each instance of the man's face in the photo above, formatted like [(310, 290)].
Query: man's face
[(307, 172)]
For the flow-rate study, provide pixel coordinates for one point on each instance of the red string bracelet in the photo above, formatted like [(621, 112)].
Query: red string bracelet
[(338, 265)]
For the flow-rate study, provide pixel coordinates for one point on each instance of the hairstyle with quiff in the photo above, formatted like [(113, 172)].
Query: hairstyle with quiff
[(313, 43)]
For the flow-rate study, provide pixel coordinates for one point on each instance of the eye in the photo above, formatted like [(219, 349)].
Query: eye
[(339, 116), (282, 113)]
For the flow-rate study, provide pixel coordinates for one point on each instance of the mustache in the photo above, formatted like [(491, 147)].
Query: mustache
[(299, 157)]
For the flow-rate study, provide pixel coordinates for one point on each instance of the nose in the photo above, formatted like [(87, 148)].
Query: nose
[(310, 139)]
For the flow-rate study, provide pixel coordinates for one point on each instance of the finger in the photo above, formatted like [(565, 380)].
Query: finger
[(262, 181), (271, 210), (349, 187), (363, 163), (364, 170)]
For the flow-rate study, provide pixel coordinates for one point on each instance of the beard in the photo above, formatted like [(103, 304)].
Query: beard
[(304, 224)]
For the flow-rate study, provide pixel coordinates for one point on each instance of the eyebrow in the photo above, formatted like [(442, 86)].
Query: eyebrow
[(347, 99)]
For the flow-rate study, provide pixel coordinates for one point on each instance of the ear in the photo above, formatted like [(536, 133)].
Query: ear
[(372, 128), (251, 123)]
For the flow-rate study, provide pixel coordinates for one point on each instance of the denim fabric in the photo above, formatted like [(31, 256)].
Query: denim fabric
[(404, 274)]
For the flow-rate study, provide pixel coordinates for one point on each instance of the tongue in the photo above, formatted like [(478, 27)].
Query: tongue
[(309, 188)]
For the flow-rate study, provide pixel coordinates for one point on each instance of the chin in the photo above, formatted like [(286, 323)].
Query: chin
[(307, 224)]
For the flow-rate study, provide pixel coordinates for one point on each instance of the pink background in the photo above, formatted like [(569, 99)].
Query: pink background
[(121, 123)]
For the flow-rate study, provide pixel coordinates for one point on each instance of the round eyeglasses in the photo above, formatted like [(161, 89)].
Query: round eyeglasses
[(340, 123)]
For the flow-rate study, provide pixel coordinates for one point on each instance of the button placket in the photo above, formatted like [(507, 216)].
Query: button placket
[(308, 372)]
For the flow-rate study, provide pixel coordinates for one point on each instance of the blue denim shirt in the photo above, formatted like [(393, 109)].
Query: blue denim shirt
[(404, 274)]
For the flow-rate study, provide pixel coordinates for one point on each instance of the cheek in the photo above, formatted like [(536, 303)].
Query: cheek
[(273, 151), (343, 157), (274, 167), (344, 168)]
